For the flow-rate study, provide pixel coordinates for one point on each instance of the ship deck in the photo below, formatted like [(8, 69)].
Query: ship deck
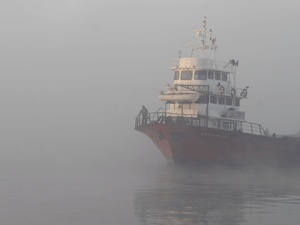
[(202, 121)]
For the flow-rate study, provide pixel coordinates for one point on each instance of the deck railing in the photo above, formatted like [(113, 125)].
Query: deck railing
[(201, 121)]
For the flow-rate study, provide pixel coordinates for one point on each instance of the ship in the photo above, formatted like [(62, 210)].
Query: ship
[(201, 121)]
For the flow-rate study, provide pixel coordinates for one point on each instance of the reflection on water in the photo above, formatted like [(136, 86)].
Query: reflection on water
[(185, 196), (145, 195)]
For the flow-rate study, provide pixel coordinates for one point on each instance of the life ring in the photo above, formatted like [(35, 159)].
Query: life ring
[(221, 89), (244, 93), (233, 92)]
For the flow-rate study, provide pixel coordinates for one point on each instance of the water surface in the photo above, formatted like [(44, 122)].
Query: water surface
[(36, 194)]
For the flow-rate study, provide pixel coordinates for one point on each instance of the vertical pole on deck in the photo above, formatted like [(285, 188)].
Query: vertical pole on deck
[(260, 129), (165, 110), (207, 103)]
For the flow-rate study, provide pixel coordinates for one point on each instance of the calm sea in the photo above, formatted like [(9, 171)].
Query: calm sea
[(37, 194)]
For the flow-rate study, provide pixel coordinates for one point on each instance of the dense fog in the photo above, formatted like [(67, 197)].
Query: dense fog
[(75, 73)]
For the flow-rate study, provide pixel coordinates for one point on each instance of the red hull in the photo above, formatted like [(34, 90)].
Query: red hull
[(201, 145)]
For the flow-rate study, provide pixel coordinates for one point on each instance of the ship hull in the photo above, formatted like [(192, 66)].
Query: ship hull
[(183, 144)]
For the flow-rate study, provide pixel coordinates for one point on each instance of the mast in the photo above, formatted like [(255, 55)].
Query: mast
[(201, 41), (201, 38)]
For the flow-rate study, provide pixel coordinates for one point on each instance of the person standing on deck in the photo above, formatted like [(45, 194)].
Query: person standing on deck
[(144, 113)]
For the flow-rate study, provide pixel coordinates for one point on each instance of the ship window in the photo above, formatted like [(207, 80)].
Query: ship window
[(237, 102), (186, 75), (226, 125), (216, 123), (202, 99), (200, 75), (221, 100), (217, 76), (213, 99), (176, 75), (210, 75), (233, 126), (224, 77), (228, 101)]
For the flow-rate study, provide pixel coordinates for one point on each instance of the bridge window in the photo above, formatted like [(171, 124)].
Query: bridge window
[(202, 99), (186, 75), (221, 100), (217, 76), (200, 75), (213, 99), (210, 75), (237, 102), (224, 77), (228, 101), (176, 75)]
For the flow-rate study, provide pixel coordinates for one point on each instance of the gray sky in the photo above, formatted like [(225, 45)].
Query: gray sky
[(74, 73)]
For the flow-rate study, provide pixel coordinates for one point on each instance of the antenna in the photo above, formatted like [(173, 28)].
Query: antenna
[(201, 39), (204, 33)]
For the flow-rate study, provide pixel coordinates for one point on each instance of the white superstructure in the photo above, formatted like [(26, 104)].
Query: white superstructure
[(203, 86)]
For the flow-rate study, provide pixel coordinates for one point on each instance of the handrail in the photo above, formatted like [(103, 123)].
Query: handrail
[(201, 121)]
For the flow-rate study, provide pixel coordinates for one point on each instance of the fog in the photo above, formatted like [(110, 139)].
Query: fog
[(75, 73)]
